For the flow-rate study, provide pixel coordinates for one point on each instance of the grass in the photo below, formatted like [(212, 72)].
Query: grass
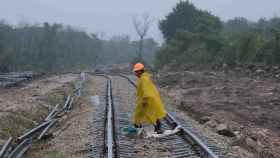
[(54, 154), (40, 149), (56, 97), (16, 123), (60, 94)]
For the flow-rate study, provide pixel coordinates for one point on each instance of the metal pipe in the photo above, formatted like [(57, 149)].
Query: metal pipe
[(46, 129), (66, 102), (34, 130), (20, 149), (51, 115), (70, 104), (6, 147)]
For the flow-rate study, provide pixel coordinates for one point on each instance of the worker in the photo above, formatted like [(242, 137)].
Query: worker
[(149, 107)]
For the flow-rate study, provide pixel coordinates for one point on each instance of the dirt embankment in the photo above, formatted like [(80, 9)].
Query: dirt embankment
[(29, 95), (70, 136), (257, 71), (244, 108), (25, 106)]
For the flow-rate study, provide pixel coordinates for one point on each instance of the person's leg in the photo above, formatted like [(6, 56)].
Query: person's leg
[(173, 125), (137, 126), (157, 127)]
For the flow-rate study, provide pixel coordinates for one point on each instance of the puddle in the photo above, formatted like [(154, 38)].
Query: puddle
[(95, 100)]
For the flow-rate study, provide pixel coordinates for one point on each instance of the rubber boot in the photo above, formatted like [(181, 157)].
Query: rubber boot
[(137, 126), (157, 127)]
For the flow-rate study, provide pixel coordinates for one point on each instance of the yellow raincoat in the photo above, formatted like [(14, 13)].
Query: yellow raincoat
[(154, 109)]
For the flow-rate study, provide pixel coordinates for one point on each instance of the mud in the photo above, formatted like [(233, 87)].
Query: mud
[(25, 106), (249, 106), (29, 95), (72, 136)]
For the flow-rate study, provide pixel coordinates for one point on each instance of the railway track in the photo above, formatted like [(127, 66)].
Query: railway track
[(115, 113), (15, 78)]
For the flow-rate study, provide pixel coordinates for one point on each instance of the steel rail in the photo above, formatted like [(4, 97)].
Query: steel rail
[(109, 122), (109, 139), (6, 147), (34, 130), (129, 80), (70, 104), (24, 142), (66, 102), (52, 113), (20, 149), (193, 137), (46, 129)]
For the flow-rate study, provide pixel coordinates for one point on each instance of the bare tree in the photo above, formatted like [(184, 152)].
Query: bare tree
[(141, 25)]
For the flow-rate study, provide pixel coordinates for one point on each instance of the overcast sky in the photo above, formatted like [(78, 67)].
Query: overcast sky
[(113, 17)]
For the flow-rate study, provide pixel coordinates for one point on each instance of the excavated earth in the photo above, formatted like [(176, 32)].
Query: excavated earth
[(247, 107), (28, 95), (24, 106), (243, 108), (70, 137)]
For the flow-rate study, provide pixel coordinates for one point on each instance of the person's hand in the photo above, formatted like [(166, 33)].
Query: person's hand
[(145, 105), (145, 102)]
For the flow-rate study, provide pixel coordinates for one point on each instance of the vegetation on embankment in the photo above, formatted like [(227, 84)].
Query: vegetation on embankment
[(195, 36), (41, 148), (18, 120)]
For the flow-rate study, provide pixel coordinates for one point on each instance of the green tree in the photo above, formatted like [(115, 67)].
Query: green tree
[(195, 36), (186, 17), (51, 47)]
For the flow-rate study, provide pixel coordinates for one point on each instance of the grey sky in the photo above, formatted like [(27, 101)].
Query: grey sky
[(251, 9), (113, 17)]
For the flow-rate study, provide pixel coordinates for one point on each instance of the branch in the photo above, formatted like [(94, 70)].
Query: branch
[(142, 25)]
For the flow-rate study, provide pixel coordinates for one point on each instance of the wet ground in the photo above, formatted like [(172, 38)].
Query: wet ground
[(72, 137), (249, 107), (24, 106), (28, 95)]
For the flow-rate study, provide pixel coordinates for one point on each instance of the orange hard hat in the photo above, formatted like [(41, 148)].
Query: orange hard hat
[(138, 66)]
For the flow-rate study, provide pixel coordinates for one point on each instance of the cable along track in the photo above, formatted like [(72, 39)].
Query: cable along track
[(116, 113)]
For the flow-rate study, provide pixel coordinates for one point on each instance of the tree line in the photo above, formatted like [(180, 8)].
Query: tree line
[(50, 47), (195, 36), (121, 49), (55, 47)]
